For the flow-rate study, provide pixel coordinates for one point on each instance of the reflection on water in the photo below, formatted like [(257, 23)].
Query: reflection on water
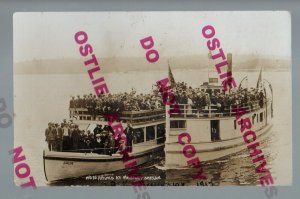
[(43, 98)]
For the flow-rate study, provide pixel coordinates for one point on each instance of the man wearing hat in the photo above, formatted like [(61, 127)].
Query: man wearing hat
[(50, 134), (75, 137), (72, 102), (66, 136), (111, 141), (97, 130), (78, 102), (98, 144), (59, 137), (129, 136)]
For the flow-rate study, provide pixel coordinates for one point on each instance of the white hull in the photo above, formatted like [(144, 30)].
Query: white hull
[(63, 165), (230, 137), (207, 151)]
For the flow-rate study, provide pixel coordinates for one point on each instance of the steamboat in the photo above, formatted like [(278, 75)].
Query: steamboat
[(214, 132), (148, 126)]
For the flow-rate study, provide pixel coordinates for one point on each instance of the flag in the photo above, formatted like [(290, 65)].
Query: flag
[(171, 78), (259, 81)]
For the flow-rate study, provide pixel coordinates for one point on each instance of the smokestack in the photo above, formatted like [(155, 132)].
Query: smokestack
[(229, 61)]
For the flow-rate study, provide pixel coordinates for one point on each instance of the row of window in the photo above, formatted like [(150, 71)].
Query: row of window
[(139, 133), (255, 117), (178, 124)]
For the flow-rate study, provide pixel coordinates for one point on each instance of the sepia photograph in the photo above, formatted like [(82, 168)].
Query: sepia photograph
[(154, 98)]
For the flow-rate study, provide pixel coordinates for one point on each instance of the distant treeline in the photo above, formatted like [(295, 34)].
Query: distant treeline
[(75, 66)]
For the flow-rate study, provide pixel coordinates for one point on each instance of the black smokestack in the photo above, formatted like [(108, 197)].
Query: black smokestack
[(229, 62)]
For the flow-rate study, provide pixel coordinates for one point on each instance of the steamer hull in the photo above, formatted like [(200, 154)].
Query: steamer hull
[(219, 135), (64, 165)]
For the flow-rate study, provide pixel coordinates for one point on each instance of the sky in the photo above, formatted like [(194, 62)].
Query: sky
[(50, 35)]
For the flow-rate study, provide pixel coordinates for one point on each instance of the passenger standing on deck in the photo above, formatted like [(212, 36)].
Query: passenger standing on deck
[(47, 135), (97, 130), (111, 143), (59, 137), (89, 140), (104, 139), (72, 104), (50, 136), (129, 136), (56, 144), (98, 144), (75, 137), (71, 130), (81, 140), (66, 136)]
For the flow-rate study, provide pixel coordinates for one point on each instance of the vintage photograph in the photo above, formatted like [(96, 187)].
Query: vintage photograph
[(154, 98)]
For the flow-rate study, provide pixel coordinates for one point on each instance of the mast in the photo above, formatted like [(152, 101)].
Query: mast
[(209, 63), (229, 64), (259, 80), (171, 77)]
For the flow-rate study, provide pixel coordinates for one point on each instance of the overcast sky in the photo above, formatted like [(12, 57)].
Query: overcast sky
[(117, 34)]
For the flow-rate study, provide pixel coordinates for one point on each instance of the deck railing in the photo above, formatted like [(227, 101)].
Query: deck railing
[(134, 117), (188, 111)]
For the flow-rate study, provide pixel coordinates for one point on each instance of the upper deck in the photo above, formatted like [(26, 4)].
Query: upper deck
[(134, 117), (212, 111)]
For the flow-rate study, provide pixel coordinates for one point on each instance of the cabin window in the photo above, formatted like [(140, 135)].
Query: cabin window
[(234, 123), (138, 135), (161, 133), (253, 118), (261, 116), (150, 133), (174, 124)]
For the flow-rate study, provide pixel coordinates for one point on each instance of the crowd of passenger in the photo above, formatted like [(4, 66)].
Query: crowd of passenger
[(68, 137), (116, 103), (199, 99), (195, 97)]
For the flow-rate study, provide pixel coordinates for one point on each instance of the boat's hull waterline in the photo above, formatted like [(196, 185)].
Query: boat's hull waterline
[(64, 165)]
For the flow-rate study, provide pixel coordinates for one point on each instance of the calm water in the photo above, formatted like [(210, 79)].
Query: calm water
[(43, 98)]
